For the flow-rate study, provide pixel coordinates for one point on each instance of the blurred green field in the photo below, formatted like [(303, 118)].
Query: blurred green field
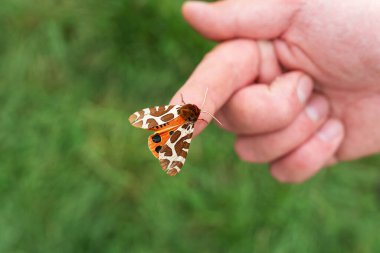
[(76, 177)]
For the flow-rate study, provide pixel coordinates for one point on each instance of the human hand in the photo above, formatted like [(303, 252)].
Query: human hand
[(331, 41)]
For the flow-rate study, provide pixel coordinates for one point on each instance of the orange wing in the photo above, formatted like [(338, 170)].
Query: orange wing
[(157, 140)]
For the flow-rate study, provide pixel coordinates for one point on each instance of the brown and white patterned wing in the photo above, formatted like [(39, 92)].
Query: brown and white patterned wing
[(149, 118), (173, 154)]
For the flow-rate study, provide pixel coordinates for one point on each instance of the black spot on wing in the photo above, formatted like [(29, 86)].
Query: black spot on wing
[(158, 148), (156, 138)]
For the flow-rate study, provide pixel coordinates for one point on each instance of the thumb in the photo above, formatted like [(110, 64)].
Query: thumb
[(257, 19)]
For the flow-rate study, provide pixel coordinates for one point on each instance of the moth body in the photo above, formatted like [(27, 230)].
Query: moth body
[(173, 126)]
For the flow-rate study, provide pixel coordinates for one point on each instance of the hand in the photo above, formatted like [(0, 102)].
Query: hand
[(286, 123)]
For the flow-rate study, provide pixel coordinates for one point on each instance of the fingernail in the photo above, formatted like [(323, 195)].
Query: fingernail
[(330, 131), (304, 88), (316, 109)]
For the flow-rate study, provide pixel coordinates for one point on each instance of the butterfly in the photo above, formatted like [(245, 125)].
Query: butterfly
[(173, 127)]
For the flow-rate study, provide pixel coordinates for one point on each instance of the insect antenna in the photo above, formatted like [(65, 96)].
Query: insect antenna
[(203, 103), (212, 116), (204, 99)]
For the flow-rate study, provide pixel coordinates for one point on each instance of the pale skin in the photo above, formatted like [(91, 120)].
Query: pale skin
[(260, 87)]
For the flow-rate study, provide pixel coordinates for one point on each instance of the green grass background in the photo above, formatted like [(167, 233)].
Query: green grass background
[(76, 177)]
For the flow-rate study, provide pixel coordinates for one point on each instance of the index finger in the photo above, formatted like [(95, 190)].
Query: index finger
[(227, 68)]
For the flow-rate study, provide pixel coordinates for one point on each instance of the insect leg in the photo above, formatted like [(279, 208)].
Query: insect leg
[(183, 101)]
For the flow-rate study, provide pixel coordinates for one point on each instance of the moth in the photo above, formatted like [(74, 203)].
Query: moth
[(173, 127)]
